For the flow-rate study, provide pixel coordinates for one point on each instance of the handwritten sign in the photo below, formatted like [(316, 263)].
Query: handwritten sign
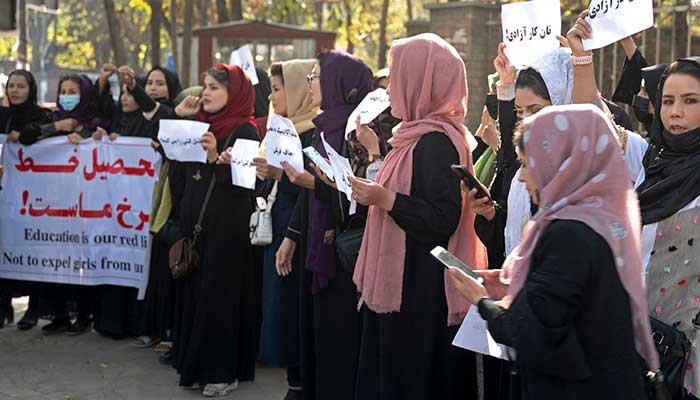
[(474, 335), (182, 139), (78, 214), (320, 162), (341, 169), (369, 108), (243, 57), (242, 169), (612, 20), (282, 143), (530, 29)]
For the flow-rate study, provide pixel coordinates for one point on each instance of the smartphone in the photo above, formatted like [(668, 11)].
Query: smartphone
[(449, 260), (470, 180), (321, 162)]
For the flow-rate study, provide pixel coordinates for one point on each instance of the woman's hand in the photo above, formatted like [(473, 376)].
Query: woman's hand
[(225, 157), (188, 107), (13, 137), (367, 137), (266, 171), (99, 133), (66, 125), (493, 284), (106, 71), (74, 138), (481, 206), (468, 287), (506, 74), (323, 177), (113, 136), (209, 144), (284, 256), (581, 30), (303, 178), (127, 76), (370, 193)]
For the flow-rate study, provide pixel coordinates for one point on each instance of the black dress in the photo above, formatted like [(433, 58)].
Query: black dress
[(571, 324), (408, 355), (215, 324)]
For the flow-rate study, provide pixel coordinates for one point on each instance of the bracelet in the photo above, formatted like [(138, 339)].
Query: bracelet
[(583, 60)]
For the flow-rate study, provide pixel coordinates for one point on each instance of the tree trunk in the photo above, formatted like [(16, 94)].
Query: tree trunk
[(222, 11), (156, 11), (348, 25), (236, 10), (381, 59), (115, 33), (203, 17), (187, 43), (173, 33), (409, 9), (22, 26), (318, 8)]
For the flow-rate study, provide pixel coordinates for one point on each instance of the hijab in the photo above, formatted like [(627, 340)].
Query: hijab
[(85, 112), (651, 76), (173, 83), (581, 175), (671, 165), (558, 75), (239, 108), (262, 93), (345, 80), (21, 115), (429, 94), (301, 109)]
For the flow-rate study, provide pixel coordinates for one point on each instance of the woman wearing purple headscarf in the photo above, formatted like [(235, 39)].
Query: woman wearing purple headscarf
[(330, 323)]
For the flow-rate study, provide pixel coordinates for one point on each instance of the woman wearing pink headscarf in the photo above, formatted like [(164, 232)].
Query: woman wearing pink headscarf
[(410, 307), (574, 308)]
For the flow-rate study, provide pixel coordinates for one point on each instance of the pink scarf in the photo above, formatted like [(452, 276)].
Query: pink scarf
[(577, 166), (428, 91)]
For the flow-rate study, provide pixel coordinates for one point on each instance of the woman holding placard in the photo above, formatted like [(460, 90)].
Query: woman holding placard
[(279, 337), (214, 335)]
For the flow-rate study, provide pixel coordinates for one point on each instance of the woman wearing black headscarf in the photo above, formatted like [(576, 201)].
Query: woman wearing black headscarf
[(23, 110)]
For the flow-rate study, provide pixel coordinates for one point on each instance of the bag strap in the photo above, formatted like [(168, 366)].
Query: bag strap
[(272, 197), (200, 219)]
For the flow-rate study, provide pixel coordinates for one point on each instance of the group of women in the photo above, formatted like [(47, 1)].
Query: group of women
[(588, 229)]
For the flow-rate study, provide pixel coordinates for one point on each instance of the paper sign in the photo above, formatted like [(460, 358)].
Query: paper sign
[(242, 169), (341, 169), (369, 108), (530, 29), (474, 335), (282, 143), (320, 162), (182, 139), (243, 57), (612, 20)]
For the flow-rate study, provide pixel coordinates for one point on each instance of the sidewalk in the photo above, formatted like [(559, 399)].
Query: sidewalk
[(37, 367)]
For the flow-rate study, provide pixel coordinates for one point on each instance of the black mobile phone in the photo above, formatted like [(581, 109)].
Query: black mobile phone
[(449, 260), (470, 180)]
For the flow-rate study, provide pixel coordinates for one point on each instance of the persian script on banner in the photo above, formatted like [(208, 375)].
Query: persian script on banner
[(612, 20), (78, 214), (282, 143), (530, 29), (243, 57)]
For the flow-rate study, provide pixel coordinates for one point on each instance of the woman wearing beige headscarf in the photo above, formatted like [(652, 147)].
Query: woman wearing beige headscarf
[(279, 338)]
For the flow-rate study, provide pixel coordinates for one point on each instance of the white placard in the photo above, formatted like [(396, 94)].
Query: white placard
[(243, 57), (530, 29), (612, 20), (341, 169), (182, 139), (320, 162), (242, 169), (78, 214), (369, 108), (474, 335), (282, 143)]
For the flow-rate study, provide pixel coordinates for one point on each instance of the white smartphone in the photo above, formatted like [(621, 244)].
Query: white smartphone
[(449, 260), (321, 162)]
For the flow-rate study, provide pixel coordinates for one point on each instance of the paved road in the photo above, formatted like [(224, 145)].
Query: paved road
[(87, 367)]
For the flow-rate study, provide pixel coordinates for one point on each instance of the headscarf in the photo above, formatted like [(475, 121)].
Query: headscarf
[(85, 112), (671, 166), (301, 109), (173, 83), (429, 93), (651, 76), (345, 81), (581, 176), (23, 114), (558, 75), (239, 108), (262, 92)]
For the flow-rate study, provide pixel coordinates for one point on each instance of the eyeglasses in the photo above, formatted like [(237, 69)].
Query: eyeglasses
[(311, 77)]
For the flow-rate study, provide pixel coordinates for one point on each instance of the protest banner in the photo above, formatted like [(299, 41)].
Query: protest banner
[(612, 20), (182, 139), (243, 57), (369, 108), (282, 143), (530, 29), (78, 214), (242, 168)]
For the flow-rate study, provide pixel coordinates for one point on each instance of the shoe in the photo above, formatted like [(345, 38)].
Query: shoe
[(219, 389), (293, 395), (79, 327), (166, 358), (7, 313), (195, 386), (28, 321), (55, 326)]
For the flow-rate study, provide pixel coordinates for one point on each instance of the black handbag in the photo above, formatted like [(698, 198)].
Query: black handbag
[(673, 347), (348, 242)]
